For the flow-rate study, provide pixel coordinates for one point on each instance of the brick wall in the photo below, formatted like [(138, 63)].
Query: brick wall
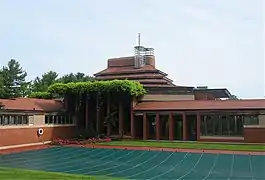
[(254, 134), (18, 135)]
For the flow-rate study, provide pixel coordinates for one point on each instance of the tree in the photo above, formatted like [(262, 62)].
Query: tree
[(42, 84), (14, 80), (2, 92), (78, 77)]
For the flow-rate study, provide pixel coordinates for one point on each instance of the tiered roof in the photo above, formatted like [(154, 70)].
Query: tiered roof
[(155, 80), (124, 68)]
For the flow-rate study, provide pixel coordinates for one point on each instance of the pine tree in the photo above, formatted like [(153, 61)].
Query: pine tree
[(41, 84), (14, 80)]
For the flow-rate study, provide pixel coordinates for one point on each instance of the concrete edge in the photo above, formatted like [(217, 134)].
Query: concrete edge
[(24, 145)]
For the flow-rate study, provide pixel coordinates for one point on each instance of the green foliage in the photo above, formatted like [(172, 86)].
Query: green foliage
[(2, 91), (41, 95), (78, 77), (13, 80), (41, 84), (133, 88)]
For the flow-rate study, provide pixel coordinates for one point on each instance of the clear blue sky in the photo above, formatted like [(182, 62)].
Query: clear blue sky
[(218, 43)]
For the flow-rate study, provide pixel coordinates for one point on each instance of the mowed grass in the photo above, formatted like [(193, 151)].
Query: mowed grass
[(189, 145), (19, 174)]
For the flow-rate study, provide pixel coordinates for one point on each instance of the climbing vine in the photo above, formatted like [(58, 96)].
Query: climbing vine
[(133, 88)]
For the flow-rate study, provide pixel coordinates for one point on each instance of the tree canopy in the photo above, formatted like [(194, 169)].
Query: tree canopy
[(41, 84), (78, 77), (13, 82)]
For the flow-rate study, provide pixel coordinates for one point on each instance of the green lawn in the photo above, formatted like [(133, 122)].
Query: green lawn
[(189, 145), (19, 174)]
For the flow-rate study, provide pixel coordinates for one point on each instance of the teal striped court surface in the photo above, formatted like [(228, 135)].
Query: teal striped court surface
[(136, 164)]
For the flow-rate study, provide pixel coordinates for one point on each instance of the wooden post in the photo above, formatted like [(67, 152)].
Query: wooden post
[(158, 130), (121, 119), (198, 126), (145, 127), (86, 115), (108, 114), (184, 126), (171, 127)]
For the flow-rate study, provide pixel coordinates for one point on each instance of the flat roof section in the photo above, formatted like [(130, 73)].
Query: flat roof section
[(202, 105), (217, 93)]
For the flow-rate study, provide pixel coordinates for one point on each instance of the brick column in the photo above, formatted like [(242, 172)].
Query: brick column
[(171, 127), (198, 126), (145, 127), (108, 114), (132, 126), (184, 130), (121, 119), (158, 131), (86, 115)]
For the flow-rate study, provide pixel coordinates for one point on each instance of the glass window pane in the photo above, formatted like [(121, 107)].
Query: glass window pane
[(46, 119), (50, 119), (12, 120), (25, 119), (70, 119), (59, 119), (19, 119)]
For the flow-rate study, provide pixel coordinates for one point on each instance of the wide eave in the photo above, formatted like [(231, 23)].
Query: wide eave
[(186, 105)]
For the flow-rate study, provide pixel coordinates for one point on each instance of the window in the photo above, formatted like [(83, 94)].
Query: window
[(19, 120), (71, 120), (1, 120), (6, 120), (12, 120), (251, 120), (65, 120), (59, 119), (46, 119), (50, 120), (216, 125), (25, 119)]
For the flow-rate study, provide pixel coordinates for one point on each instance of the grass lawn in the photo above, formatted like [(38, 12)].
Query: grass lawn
[(189, 145), (19, 174)]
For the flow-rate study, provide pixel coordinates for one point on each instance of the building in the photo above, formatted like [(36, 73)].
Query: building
[(166, 112), (20, 119), (172, 112)]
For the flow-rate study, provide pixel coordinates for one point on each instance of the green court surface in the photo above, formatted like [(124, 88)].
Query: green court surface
[(136, 164)]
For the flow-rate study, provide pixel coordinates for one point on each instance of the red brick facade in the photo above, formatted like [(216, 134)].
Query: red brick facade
[(28, 135)]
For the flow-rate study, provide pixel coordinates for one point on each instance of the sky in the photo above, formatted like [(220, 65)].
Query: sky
[(214, 43)]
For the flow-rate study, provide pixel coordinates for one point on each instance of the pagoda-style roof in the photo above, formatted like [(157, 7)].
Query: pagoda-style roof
[(124, 68)]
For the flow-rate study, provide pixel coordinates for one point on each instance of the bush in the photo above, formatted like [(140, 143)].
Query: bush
[(41, 95)]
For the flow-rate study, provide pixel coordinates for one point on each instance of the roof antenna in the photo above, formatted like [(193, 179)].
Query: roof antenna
[(139, 39)]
